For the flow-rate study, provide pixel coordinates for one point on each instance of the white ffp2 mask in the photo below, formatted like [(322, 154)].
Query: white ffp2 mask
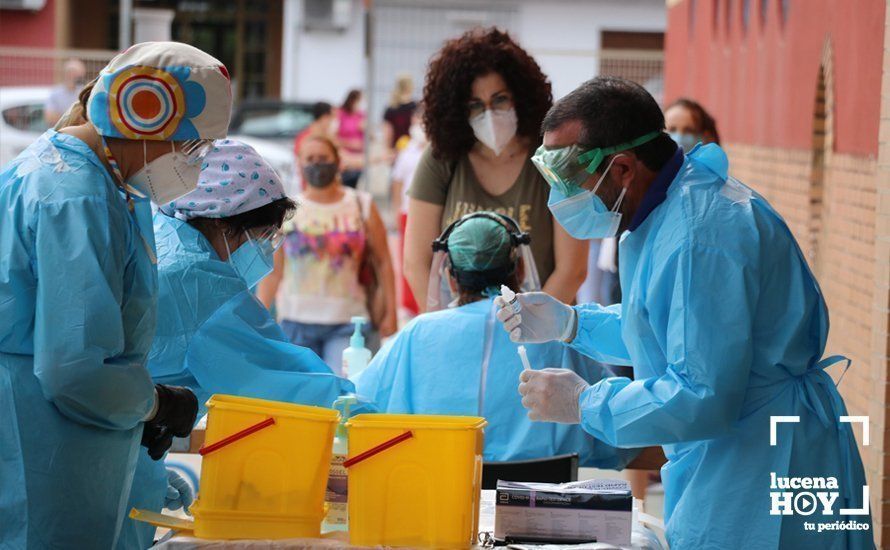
[(167, 177), (495, 128)]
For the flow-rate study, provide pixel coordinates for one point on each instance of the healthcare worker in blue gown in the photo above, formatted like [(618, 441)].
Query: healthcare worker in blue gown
[(78, 289), (213, 335), (456, 361), (721, 319)]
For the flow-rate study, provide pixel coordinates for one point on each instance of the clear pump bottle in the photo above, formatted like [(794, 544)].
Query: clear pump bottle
[(336, 495), (356, 357)]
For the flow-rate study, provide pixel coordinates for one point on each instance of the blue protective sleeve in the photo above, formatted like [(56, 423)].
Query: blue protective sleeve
[(599, 334), (387, 380), (79, 333), (240, 351), (702, 301)]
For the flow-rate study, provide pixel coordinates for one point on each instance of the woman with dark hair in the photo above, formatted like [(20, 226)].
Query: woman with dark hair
[(484, 100), (213, 335), (351, 123), (688, 123), (322, 275), (351, 137)]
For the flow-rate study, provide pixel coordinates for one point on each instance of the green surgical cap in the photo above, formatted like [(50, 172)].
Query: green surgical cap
[(479, 244)]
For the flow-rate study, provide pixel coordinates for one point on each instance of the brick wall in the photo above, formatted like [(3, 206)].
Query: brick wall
[(880, 311)]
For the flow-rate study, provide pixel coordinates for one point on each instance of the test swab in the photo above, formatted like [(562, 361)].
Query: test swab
[(523, 356)]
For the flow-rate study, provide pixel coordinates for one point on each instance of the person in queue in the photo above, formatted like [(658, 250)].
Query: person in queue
[(78, 290), (351, 119), (721, 318), (484, 100), (322, 124), (214, 244), (422, 371), (74, 74), (400, 181), (688, 123), (397, 117), (317, 284)]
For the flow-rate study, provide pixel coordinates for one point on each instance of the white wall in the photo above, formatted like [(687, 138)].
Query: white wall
[(321, 65), (563, 35)]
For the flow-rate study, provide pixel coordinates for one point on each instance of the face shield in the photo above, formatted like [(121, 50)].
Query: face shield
[(439, 292), (195, 150), (270, 238), (253, 260)]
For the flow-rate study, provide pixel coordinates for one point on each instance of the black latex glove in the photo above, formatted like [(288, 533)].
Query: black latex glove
[(175, 417), (157, 440), (177, 409)]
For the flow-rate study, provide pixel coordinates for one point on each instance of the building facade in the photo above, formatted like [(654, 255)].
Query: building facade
[(312, 50), (244, 34), (566, 37), (801, 94)]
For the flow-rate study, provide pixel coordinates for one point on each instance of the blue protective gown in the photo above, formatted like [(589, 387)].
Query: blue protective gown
[(724, 325), (77, 316), (435, 365), (214, 336)]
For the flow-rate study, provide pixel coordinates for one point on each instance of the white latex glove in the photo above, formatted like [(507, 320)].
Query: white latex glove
[(541, 318), (551, 395)]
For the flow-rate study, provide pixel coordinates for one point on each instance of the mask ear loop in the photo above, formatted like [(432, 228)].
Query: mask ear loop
[(228, 250), (605, 172), (603, 177)]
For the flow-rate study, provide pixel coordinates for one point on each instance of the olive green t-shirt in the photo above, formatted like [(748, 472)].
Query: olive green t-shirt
[(455, 187)]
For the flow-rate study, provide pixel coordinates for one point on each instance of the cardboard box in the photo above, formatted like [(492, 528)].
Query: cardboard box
[(583, 511)]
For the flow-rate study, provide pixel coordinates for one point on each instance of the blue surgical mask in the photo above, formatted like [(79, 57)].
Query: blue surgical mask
[(585, 215), (253, 260), (687, 142)]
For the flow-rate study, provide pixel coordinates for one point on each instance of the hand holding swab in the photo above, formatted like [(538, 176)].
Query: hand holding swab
[(523, 356)]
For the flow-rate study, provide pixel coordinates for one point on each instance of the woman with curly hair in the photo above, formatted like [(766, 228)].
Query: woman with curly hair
[(484, 100)]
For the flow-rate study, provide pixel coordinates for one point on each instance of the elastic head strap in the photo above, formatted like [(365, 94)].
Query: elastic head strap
[(118, 176), (594, 157), (517, 236), (477, 281), (112, 162)]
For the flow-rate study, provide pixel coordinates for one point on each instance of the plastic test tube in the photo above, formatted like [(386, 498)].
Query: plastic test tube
[(510, 297), (523, 356)]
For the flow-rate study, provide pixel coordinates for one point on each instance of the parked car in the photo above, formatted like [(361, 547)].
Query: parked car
[(271, 119), (21, 119), (270, 126), (280, 157)]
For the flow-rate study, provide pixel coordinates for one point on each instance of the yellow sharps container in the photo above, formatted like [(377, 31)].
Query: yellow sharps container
[(422, 491), (264, 469)]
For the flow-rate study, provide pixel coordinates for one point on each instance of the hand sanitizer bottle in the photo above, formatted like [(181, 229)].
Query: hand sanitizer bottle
[(336, 496), (356, 357)]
